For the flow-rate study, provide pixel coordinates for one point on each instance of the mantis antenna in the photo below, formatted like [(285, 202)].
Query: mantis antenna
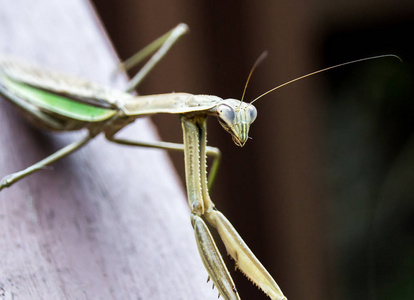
[(256, 63), (322, 70)]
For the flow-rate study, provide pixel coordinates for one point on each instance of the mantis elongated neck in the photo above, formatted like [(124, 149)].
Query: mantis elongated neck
[(173, 103)]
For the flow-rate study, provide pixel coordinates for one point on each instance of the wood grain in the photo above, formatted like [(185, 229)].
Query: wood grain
[(107, 222)]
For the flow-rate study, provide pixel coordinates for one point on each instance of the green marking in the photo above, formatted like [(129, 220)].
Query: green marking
[(57, 103)]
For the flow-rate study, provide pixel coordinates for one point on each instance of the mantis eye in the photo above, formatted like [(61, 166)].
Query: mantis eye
[(252, 113), (226, 113)]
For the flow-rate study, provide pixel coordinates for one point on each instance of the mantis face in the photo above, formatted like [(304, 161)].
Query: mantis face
[(235, 117)]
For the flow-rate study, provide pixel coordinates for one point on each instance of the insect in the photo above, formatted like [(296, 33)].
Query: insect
[(59, 102)]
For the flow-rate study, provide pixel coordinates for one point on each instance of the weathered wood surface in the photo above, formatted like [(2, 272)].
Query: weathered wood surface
[(107, 222)]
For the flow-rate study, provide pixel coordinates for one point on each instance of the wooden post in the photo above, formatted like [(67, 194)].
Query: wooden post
[(107, 222)]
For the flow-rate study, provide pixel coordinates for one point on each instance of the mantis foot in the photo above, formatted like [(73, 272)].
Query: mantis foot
[(6, 181)]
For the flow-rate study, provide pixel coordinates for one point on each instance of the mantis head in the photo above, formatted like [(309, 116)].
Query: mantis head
[(235, 117)]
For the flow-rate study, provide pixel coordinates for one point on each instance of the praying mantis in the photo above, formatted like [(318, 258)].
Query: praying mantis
[(59, 102)]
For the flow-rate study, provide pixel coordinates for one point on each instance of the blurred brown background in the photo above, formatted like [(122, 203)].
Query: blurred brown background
[(323, 193)]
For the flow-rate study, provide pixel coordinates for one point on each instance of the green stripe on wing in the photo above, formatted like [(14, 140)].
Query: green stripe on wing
[(50, 101)]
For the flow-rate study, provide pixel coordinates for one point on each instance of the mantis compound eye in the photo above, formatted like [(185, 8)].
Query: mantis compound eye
[(251, 113), (225, 113)]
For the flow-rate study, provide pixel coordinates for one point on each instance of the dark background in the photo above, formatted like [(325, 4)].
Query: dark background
[(323, 193)]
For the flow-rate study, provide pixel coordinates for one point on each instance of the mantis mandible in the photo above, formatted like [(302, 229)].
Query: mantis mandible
[(59, 102)]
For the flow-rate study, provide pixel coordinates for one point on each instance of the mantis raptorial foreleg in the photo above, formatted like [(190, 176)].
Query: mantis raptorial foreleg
[(195, 131), (209, 253), (212, 260)]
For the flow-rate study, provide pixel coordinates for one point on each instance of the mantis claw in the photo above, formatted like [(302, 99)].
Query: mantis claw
[(244, 258), (212, 260)]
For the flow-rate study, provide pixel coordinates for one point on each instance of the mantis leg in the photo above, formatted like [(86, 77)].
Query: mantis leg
[(161, 46), (195, 131), (209, 253), (210, 151), (14, 177)]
